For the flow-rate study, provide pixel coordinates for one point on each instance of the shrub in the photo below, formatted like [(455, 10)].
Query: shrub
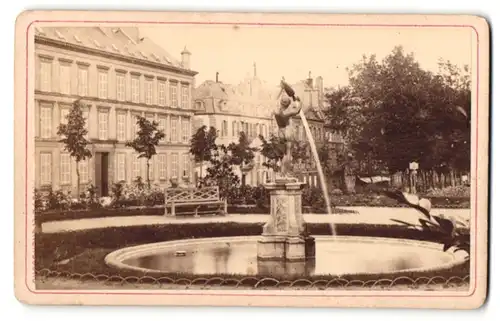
[(117, 190), (39, 201), (90, 200), (58, 200), (261, 196), (155, 196)]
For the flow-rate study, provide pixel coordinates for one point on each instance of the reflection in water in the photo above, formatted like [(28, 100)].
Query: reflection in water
[(286, 268), (335, 257), (221, 258)]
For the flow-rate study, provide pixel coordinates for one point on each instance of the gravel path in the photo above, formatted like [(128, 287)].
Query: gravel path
[(366, 215)]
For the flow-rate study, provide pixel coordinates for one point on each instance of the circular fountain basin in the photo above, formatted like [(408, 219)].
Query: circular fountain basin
[(339, 255)]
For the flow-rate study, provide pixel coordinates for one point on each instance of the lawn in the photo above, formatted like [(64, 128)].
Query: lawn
[(79, 255)]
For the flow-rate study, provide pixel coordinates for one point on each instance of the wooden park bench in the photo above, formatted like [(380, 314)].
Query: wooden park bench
[(194, 198)]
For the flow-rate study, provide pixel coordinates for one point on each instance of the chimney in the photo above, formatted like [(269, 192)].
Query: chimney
[(186, 58), (310, 80), (217, 77)]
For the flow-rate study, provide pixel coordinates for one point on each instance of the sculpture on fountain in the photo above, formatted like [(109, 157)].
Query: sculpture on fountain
[(289, 106), (285, 238)]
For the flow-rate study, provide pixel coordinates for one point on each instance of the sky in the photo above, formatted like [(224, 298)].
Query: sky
[(293, 52)]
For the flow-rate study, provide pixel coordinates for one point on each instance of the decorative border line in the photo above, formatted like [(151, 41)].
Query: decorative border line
[(265, 282), (27, 234)]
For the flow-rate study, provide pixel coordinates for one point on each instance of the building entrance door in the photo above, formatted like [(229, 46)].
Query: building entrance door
[(101, 174)]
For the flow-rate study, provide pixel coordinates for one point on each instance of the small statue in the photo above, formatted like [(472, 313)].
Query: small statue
[(290, 106)]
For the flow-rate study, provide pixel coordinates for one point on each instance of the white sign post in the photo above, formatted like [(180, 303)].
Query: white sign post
[(413, 177)]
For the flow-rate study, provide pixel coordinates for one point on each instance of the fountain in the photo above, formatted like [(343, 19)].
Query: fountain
[(284, 239), (285, 247)]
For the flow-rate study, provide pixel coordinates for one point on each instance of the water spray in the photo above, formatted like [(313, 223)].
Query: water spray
[(291, 93)]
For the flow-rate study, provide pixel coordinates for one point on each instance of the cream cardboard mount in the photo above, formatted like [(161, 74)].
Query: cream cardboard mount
[(309, 160)]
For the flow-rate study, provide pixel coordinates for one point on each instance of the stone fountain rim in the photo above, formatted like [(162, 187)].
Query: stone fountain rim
[(115, 259)]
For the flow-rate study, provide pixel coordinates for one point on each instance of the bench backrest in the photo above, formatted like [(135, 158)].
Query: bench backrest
[(186, 195)]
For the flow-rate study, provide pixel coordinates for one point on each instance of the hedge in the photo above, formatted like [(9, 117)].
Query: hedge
[(88, 248)]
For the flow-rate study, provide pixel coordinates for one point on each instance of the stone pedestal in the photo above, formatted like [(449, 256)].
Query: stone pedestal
[(286, 268), (284, 238)]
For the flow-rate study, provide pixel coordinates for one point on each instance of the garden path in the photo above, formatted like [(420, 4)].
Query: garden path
[(366, 215)]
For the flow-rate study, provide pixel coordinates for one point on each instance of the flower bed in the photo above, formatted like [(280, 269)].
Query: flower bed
[(84, 251), (377, 200), (461, 191), (138, 200)]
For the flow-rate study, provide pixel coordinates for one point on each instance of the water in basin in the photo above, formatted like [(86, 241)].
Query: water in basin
[(334, 256)]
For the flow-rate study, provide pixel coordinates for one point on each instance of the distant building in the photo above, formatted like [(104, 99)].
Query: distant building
[(248, 107), (119, 75)]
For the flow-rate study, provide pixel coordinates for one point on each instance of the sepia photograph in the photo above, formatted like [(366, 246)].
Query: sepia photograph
[(328, 160)]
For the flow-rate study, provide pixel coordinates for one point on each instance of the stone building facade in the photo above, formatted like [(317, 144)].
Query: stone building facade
[(118, 75), (248, 107)]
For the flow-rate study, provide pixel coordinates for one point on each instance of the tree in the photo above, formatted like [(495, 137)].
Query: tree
[(457, 95), (274, 150), (404, 113), (203, 145), (343, 114), (242, 155), (147, 138), (73, 133), (220, 172)]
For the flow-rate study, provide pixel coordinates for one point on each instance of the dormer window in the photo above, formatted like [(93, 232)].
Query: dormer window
[(223, 105), (59, 35), (40, 31), (155, 57)]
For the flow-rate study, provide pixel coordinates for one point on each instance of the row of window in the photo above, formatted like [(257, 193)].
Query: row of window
[(177, 128), (250, 130), (179, 164), (180, 127), (155, 89), (65, 162), (253, 130), (316, 132)]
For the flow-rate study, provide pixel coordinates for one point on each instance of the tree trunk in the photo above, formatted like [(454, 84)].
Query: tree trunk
[(435, 179), (201, 172), (147, 173), (452, 174), (77, 181)]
